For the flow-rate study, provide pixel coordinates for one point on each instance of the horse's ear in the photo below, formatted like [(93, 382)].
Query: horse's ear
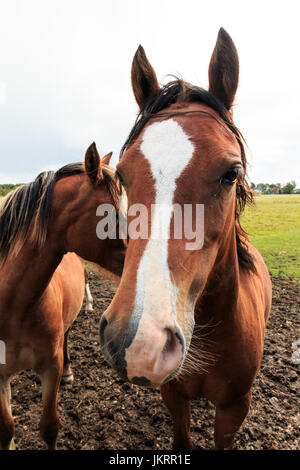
[(106, 158), (143, 78), (223, 72), (93, 164)]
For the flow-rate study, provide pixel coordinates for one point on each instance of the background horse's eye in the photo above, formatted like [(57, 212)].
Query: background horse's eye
[(230, 176)]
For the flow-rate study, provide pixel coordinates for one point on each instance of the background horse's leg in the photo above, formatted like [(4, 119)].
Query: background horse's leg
[(67, 376), (180, 410), (229, 418), (49, 422), (88, 296), (7, 427)]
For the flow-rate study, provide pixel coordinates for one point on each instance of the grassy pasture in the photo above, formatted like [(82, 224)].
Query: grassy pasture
[(273, 226)]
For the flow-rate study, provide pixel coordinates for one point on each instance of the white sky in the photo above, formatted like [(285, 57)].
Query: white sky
[(65, 76)]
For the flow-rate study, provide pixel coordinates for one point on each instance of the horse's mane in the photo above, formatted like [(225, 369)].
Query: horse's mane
[(178, 91), (28, 208)]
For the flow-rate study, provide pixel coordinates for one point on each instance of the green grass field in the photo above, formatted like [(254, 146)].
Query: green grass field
[(273, 226)]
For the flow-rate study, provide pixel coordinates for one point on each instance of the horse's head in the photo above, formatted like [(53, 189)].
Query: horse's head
[(82, 204), (184, 153)]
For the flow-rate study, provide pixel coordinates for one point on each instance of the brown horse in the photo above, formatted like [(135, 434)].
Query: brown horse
[(41, 284), (186, 319)]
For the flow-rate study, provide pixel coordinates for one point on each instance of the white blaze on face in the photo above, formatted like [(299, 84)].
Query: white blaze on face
[(168, 151)]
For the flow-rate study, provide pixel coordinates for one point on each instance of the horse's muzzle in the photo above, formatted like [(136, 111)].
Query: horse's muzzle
[(149, 359), (112, 348)]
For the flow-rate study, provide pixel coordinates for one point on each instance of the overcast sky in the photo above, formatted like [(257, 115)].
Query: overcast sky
[(65, 76)]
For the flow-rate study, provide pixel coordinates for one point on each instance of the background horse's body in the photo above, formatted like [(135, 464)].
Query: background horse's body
[(31, 339), (190, 320), (42, 284), (34, 326)]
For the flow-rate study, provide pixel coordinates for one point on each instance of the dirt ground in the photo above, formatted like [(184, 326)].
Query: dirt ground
[(100, 411)]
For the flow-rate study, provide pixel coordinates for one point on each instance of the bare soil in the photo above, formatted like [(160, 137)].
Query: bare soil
[(100, 411)]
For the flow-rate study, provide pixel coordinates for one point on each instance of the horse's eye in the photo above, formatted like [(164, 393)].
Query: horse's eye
[(230, 176)]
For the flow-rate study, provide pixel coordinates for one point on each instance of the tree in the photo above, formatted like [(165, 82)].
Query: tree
[(289, 187), (261, 187), (275, 188)]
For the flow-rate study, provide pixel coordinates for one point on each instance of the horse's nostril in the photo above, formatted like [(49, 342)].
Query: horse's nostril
[(171, 342), (108, 341), (103, 324), (112, 346)]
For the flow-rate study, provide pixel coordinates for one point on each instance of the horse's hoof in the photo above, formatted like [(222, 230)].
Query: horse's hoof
[(12, 445), (67, 379), (89, 309)]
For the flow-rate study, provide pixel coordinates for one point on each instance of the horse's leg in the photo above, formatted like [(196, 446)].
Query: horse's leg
[(180, 410), (7, 427), (89, 298), (67, 376), (229, 418), (49, 422)]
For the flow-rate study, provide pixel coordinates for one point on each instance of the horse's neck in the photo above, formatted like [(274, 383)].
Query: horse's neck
[(25, 277), (219, 300)]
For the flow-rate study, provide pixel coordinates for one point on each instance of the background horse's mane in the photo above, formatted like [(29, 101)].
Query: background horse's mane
[(29, 207), (178, 91)]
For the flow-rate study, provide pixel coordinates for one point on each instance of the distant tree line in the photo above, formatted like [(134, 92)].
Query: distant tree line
[(6, 188), (265, 188)]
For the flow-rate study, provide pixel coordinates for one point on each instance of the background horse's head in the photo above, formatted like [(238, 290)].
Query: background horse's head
[(183, 149), (59, 210), (92, 188)]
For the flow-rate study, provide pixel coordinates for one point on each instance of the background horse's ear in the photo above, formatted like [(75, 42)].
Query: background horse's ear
[(92, 162), (106, 158), (223, 72), (143, 78)]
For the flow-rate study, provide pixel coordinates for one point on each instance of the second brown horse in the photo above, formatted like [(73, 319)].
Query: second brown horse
[(41, 283)]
